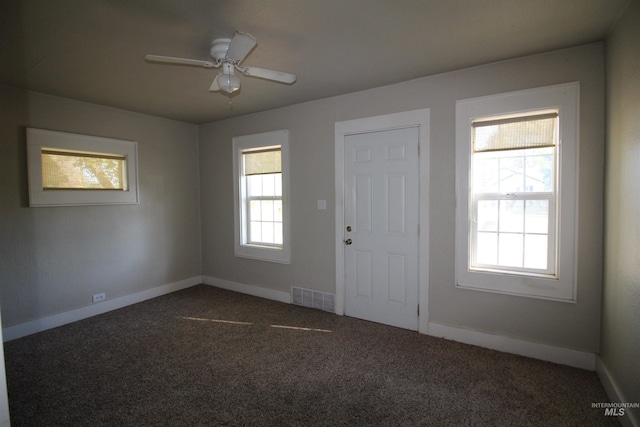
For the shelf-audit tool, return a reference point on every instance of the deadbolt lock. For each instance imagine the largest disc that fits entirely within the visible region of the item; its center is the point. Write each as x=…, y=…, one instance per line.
x=349, y=228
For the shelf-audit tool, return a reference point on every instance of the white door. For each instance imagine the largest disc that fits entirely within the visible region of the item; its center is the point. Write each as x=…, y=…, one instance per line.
x=381, y=204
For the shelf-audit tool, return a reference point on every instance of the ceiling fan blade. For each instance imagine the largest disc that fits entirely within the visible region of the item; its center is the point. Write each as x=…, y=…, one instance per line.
x=277, y=76
x=179, y=61
x=214, y=86
x=240, y=46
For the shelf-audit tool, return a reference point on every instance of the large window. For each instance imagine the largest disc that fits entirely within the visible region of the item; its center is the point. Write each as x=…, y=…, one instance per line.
x=513, y=193
x=261, y=186
x=516, y=166
x=72, y=169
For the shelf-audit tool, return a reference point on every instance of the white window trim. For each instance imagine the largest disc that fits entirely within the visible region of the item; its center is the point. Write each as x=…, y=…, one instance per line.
x=565, y=99
x=37, y=139
x=243, y=249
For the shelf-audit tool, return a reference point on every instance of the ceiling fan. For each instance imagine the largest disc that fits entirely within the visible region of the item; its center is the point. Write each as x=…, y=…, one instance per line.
x=229, y=53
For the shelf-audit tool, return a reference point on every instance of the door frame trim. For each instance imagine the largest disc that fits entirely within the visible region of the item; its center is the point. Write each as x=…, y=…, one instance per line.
x=416, y=118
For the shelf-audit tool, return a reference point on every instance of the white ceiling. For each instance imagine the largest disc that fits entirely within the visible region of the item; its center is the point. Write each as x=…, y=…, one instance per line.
x=92, y=50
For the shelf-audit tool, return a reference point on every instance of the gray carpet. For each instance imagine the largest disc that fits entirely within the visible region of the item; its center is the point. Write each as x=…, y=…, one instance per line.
x=209, y=357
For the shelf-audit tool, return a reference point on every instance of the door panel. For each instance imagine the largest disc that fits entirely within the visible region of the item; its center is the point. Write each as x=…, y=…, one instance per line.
x=397, y=274
x=381, y=207
x=364, y=274
x=396, y=205
x=363, y=207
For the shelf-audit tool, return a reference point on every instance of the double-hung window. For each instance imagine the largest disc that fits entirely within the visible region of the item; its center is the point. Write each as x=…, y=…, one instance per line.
x=513, y=193
x=262, y=175
x=516, y=166
x=261, y=187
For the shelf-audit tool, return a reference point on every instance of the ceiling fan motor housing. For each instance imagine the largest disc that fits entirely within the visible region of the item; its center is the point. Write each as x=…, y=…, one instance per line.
x=219, y=49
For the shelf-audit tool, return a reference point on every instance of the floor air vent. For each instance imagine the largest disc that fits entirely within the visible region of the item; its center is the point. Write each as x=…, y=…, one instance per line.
x=314, y=299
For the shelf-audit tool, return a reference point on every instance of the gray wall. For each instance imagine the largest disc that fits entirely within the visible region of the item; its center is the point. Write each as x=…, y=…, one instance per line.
x=54, y=259
x=620, y=348
x=311, y=126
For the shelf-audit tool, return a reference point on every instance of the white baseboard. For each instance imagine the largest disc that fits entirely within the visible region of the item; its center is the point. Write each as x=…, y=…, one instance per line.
x=256, y=291
x=49, y=322
x=629, y=419
x=549, y=353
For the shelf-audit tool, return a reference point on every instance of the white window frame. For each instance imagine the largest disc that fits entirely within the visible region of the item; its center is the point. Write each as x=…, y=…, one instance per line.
x=561, y=284
x=39, y=139
x=242, y=247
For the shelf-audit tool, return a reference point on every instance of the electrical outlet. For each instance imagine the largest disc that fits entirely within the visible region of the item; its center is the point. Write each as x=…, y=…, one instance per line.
x=99, y=297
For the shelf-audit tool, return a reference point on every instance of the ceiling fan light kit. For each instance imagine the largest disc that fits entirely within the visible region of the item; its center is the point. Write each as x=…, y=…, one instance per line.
x=227, y=81
x=229, y=53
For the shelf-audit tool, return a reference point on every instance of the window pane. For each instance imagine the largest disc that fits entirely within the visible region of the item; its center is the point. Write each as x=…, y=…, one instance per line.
x=488, y=215
x=267, y=210
x=267, y=232
x=511, y=216
x=539, y=171
x=536, y=216
x=278, y=185
x=486, y=177
x=535, y=250
x=277, y=233
x=255, y=210
x=277, y=210
x=487, y=249
x=510, y=250
x=68, y=170
x=254, y=185
x=255, y=232
x=269, y=185
x=512, y=173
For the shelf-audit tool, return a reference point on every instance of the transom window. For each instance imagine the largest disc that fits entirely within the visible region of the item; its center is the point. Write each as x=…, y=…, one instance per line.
x=67, y=169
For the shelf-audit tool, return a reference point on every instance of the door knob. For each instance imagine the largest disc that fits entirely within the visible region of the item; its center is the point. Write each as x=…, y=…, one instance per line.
x=348, y=242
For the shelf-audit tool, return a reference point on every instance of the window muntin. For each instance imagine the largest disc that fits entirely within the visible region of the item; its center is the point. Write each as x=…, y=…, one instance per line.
x=67, y=170
x=261, y=187
x=513, y=193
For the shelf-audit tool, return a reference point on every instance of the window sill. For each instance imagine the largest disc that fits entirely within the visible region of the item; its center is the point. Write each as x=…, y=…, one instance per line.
x=542, y=287
x=264, y=253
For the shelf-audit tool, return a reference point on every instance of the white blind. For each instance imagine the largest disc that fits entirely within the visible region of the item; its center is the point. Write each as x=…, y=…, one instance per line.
x=63, y=170
x=262, y=162
x=515, y=133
